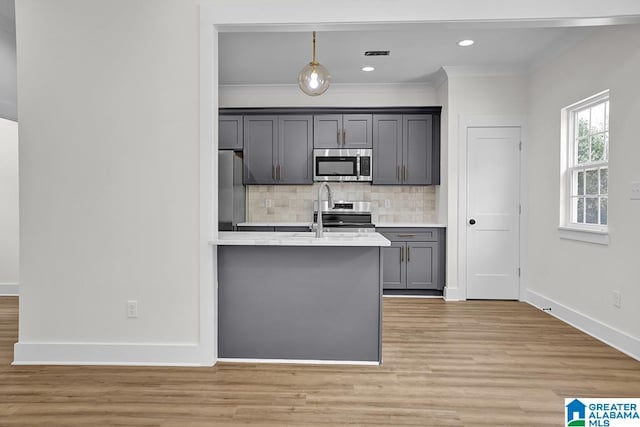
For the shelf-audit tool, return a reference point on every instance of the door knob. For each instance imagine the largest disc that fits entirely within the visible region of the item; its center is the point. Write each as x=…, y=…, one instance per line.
x=472, y=221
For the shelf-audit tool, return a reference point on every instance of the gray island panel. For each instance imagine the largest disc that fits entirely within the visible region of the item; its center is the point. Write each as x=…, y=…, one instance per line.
x=305, y=303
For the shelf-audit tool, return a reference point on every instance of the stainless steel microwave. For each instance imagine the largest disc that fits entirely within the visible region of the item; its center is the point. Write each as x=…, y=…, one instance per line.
x=342, y=164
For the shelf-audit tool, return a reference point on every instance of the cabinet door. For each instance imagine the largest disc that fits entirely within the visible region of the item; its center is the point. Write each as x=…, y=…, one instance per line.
x=260, y=149
x=393, y=266
x=327, y=131
x=357, y=131
x=387, y=148
x=230, y=133
x=295, y=150
x=422, y=265
x=417, y=149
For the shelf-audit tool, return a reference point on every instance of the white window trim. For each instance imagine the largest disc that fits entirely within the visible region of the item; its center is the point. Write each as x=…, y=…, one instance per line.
x=589, y=233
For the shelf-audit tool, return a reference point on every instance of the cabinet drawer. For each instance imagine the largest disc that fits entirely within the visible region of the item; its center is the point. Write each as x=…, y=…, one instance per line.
x=410, y=235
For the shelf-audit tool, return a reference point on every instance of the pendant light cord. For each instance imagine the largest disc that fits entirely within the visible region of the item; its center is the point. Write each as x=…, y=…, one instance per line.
x=314, y=49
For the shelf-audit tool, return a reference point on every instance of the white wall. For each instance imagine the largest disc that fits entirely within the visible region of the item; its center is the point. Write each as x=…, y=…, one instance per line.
x=8, y=72
x=109, y=105
x=581, y=276
x=369, y=95
x=109, y=173
x=472, y=95
x=8, y=207
x=442, y=98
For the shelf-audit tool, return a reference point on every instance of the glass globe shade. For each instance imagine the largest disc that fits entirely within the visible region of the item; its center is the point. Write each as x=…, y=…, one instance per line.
x=314, y=79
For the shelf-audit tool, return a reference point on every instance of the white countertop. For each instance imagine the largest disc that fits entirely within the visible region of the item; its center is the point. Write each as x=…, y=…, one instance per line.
x=274, y=224
x=377, y=224
x=270, y=238
x=409, y=224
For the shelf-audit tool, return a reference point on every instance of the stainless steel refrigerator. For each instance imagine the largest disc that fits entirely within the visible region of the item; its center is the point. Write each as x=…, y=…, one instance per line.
x=231, y=192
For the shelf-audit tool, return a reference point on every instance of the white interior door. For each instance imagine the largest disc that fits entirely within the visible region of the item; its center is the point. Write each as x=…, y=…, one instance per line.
x=493, y=212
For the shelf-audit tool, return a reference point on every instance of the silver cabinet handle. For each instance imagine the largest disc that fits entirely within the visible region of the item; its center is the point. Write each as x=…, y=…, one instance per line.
x=338, y=137
x=398, y=172
x=406, y=235
x=404, y=172
x=280, y=177
x=408, y=253
x=401, y=253
x=344, y=137
x=273, y=172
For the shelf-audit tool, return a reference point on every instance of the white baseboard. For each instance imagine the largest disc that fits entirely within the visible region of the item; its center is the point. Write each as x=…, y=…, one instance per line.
x=451, y=294
x=300, y=361
x=609, y=335
x=107, y=354
x=8, y=290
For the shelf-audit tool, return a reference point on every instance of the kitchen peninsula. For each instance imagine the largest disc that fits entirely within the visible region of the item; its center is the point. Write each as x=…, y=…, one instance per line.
x=294, y=296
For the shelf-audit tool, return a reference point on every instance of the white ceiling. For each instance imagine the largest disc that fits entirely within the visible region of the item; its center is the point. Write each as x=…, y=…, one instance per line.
x=417, y=52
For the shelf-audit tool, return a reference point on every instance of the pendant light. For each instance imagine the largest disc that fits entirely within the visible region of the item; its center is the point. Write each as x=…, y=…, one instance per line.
x=314, y=78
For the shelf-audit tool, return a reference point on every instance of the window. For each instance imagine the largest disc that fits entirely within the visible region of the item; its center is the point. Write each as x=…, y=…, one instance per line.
x=585, y=178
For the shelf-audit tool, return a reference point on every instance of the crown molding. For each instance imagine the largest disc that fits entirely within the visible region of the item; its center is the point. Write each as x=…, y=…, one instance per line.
x=485, y=70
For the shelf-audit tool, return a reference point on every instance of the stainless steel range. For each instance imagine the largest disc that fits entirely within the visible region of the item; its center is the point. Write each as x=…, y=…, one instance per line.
x=345, y=216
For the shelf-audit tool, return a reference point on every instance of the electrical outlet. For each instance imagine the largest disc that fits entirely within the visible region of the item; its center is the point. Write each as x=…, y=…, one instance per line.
x=617, y=299
x=132, y=309
x=387, y=203
x=267, y=203
x=635, y=190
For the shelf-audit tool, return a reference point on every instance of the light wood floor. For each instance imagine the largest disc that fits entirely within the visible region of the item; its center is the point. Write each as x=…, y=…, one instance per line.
x=457, y=364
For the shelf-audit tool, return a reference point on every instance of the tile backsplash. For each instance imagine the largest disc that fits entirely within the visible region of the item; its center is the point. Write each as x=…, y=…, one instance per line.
x=294, y=203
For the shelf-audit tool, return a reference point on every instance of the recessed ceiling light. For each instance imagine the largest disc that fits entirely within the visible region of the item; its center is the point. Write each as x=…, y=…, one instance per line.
x=465, y=42
x=368, y=68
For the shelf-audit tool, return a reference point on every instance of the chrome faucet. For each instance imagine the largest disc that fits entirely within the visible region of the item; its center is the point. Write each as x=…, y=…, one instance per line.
x=319, y=230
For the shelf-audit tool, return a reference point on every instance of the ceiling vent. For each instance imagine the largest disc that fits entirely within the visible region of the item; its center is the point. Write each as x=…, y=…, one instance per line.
x=377, y=53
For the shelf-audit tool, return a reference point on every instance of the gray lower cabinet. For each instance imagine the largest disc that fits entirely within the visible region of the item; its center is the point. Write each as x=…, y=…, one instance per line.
x=404, y=152
x=394, y=269
x=230, y=132
x=342, y=131
x=415, y=259
x=278, y=149
x=422, y=265
x=295, y=302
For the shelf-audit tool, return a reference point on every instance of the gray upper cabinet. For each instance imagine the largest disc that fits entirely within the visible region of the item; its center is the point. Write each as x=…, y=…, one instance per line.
x=230, y=132
x=342, y=131
x=260, y=149
x=278, y=149
x=404, y=150
x=387, y=149
x=295, y=150
x=417, y=149
x=327, y=131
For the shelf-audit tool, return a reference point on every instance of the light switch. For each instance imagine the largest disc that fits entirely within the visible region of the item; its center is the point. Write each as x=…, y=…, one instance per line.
x=635, y=190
